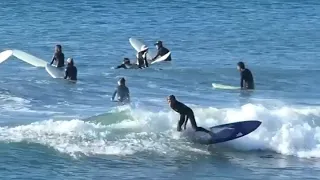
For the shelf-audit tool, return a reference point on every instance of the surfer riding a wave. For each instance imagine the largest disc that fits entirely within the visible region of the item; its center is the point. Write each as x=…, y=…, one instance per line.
x=186, y=114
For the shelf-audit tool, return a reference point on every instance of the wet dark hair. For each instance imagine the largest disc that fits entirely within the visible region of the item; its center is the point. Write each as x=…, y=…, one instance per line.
x=241, y=65
x=172, y=97
x=122, y=81
x=59, y=46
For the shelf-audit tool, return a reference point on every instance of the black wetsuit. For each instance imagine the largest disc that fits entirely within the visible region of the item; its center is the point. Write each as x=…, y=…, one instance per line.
x=246, y=80
x=71, y=73
x=59, y=57
x=122, y=66
x=185, y=114
x=142, y=61
x=161, y=52
x=123, y=93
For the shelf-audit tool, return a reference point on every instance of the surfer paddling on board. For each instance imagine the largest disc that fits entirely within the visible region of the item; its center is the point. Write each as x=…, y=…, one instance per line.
x=71, y=70
x=161, y=51
x=125, y=65
x=58, y=57
x=142, y=57
x=185, y=114
x=246, y=80
x=122, y=92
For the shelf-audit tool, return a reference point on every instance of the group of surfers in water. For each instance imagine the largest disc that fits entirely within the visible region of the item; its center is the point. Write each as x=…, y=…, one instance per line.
x=122, y=91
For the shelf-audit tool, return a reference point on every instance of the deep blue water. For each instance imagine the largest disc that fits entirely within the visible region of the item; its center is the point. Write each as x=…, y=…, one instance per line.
x=49, y=128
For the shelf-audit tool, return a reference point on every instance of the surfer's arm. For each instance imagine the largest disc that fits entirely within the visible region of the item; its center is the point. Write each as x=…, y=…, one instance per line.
x=66, y=73
x=114, y=95
x=158, y=54
x=120, y=66
x=53, y=58
x=241, y=81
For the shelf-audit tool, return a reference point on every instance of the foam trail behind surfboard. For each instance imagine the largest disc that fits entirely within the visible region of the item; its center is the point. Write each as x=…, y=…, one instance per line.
x=28, y=58
x=5, y=55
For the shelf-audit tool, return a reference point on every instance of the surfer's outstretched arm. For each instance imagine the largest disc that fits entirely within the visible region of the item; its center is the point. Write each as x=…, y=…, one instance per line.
x=158, y=54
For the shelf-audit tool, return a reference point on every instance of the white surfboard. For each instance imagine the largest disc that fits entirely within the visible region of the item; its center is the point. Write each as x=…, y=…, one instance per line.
x=34, y=61
x=5, y=55
x=162, y=58
x=136, y=44
x=28, y=58
x=222, y=86
x=55, y=72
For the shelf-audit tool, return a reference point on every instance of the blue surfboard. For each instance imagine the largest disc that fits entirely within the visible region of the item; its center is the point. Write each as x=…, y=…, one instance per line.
x=230, y=131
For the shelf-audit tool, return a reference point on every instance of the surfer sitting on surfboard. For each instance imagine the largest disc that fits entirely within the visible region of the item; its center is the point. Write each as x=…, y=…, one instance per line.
x=58, y=57
x=142, y=57
x=125, y=65
x=185, y=114
x=71, y=70
x=122, y=92
x=161, y=51
x=246, y=80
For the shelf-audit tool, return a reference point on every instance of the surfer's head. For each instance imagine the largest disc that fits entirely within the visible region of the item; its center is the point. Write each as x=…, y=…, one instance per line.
x=240, y=66
x=126, y=61
x=144, y=48
x=171, y=99
x=58, y=48
x=122, y=81
x=70, y=61
x=158, y=44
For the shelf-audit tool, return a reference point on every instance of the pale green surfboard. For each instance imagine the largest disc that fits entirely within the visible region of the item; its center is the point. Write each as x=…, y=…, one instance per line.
x=222, y=86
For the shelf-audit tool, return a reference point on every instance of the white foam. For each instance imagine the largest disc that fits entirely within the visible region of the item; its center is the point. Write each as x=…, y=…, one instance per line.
x=285, y=130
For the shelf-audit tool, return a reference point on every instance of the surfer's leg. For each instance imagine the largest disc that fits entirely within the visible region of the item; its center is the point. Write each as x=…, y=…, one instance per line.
x=181, y=121
x=195, y=127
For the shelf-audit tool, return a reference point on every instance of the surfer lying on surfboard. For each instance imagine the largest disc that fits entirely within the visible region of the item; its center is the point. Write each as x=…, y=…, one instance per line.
x=71, y=70
x=122, y=92
x=246, y=78
x=185, y=114
x=142, y=57
x=161, y=51
x=58, y=56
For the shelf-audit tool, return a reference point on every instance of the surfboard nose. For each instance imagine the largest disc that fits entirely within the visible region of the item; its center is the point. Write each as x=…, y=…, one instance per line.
x=250, y=125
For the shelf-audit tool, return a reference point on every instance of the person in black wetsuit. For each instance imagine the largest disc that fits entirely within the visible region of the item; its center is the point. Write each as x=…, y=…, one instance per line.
x=161, y=51
x=122, y=92
x=71, y=70
x=246, y=80
x=185, y=114
x=142, y=57
x=125, y=65
x=58, y=57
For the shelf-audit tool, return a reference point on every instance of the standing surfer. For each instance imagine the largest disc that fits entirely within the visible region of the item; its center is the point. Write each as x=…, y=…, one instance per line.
x=58, y=57
x=161, y=51
x=142, y=57
x=122, y=92
x=71, y=70
x=246, y=78
x=185, y=114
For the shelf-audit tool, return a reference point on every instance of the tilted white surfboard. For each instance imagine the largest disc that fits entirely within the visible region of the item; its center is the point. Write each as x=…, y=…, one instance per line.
x=34, y=61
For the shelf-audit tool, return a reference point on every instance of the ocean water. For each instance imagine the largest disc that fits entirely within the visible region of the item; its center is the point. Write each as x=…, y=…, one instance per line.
x=52, y=129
